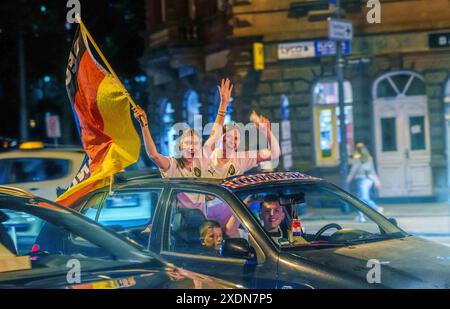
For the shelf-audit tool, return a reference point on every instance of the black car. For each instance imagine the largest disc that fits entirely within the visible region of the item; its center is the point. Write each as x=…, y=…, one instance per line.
x=280, y=230
x=71, y=251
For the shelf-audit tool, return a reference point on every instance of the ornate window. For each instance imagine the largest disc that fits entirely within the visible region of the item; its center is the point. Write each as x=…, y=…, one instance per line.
x=167, y=132
x=191, y=107
x=399, y=83
x=214, y=101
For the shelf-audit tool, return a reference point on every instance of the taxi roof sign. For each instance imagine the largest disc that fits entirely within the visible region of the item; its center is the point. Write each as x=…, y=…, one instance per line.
x=31, y=145
x=258, y=178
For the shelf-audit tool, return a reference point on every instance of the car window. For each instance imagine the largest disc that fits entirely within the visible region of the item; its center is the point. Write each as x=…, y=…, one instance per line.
x=92, y=206
x=200, y=222
x=32, y=169
x=309, y=213
x=130, y=213
x=24, y=234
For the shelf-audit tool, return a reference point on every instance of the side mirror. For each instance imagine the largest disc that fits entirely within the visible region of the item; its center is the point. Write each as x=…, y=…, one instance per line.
x=393, y=221
x=237, y=248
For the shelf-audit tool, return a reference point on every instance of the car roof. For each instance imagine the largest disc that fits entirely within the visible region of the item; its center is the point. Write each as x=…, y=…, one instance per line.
x=231, y=183
x=50, y=153
x=13, y=191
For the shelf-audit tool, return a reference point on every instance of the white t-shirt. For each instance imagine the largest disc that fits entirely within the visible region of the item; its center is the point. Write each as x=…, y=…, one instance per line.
x=236, y=165
x=197, y=170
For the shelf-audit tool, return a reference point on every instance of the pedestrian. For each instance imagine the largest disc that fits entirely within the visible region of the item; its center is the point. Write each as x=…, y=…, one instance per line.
x=363, y=177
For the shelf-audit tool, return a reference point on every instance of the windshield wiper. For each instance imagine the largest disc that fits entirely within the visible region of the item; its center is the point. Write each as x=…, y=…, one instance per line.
x=316, y=245
x=369, y=238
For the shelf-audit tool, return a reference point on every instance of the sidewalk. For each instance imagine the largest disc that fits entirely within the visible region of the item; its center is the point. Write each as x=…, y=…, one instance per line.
x=428, y=220
x=417, y=209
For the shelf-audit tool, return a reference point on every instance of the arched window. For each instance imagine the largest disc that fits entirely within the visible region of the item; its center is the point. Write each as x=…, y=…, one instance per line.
x=399, y=83
x=447, y=126
x=447, y=92
x=326, y=121
x=286, y=142
x=214, y=101
x=167, y=132
x=191, y=105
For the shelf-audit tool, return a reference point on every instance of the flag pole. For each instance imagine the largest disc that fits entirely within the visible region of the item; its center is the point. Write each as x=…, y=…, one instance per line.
x=84, y=29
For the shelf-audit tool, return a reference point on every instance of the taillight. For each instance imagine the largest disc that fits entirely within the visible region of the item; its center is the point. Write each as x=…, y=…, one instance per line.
x=35, y=248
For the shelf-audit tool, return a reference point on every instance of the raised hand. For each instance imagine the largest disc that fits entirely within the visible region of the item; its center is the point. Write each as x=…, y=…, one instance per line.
x=259, y=120
x=255, y=118
x=264, y=120
x=225, y=90
x=140, y=115
x=266, y=124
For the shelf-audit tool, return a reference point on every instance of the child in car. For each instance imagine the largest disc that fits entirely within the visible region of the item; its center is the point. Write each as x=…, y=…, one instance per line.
x=211, y=235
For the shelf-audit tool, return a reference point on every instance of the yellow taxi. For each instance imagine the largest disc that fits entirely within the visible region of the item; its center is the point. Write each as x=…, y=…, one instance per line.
x=38, y=169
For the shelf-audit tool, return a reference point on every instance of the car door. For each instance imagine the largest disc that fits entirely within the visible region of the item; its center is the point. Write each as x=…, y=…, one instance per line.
x=127, y=211
x=181, y=240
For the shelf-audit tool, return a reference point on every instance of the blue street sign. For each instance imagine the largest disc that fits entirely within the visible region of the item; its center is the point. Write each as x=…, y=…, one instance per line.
x=311, y=49
x=328, y=48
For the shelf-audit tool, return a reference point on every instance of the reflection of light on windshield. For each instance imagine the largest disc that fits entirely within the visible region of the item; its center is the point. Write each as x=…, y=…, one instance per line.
x=47, y=206
x=325, y=215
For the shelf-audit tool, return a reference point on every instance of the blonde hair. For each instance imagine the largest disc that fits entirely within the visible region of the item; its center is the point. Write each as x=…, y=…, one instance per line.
x=189, y=132
x=207, y=225
x=362, y=153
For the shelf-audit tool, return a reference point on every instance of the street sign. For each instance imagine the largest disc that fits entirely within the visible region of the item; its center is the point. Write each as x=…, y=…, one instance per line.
x=439, y=40
x=340, y=30
x=296, y=50
x=328, y=48
x=311, y=49
x=53, y=127
x=258, y=56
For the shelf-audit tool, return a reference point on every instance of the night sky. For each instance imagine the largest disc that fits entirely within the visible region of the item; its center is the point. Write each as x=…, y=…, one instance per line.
x=117, y=26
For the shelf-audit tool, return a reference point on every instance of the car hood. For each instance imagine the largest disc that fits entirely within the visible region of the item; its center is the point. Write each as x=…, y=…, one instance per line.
x=410, y=262
x=101, y=274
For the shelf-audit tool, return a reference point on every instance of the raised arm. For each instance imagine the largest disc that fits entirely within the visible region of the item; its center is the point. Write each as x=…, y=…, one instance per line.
x=225, y=90
x=273, y=151
x=356, y=164
x=162, y=161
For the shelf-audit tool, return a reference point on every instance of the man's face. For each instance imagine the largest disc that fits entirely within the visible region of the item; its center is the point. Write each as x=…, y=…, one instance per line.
x=272, y=214
x=213, y=238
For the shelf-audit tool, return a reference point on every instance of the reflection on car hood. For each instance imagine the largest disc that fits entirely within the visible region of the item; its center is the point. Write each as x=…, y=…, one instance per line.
x=410, y=262
x=98, y=274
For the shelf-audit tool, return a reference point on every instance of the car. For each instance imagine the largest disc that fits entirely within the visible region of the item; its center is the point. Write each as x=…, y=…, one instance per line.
x=73, y=252
x=40, y=170
x=287, y=230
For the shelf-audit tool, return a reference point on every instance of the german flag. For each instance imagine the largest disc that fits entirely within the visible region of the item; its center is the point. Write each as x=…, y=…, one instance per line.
x=102, y=113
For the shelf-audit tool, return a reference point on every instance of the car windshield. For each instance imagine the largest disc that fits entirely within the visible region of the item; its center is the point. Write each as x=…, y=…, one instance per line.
x=316, y=214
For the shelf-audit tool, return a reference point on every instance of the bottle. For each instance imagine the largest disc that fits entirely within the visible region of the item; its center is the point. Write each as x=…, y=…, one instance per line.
x=296, y=227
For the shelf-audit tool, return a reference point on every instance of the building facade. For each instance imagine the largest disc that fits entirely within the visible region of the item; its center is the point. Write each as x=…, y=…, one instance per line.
x=397, y=89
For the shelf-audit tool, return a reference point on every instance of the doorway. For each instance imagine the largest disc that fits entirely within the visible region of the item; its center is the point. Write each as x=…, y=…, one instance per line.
x=402, y=140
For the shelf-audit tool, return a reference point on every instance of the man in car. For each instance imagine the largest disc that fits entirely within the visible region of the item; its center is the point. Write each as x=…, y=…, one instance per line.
x=272, y=214
x=211, y=235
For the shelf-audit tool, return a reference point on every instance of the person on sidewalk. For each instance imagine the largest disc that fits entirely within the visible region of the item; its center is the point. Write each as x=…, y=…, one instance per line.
x=363, y=177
